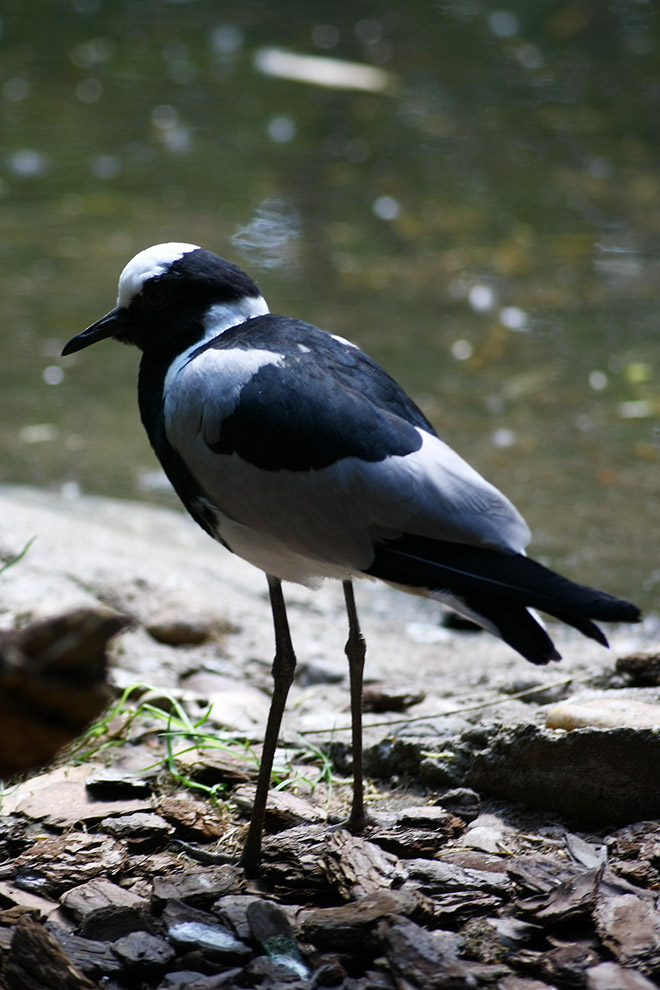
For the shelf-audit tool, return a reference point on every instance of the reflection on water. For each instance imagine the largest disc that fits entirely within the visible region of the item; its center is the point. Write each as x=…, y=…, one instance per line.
x=270, y=239
x=469, y=191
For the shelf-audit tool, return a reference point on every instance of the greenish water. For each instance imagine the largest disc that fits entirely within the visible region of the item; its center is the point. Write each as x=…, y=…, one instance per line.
x=483, y=218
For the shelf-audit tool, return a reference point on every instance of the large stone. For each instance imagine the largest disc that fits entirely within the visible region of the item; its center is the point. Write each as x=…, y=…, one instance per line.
x=595, y=776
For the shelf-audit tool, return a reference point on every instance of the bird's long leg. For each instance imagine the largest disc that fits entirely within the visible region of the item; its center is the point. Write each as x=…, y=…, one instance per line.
x=356, y=649
x=284, y=666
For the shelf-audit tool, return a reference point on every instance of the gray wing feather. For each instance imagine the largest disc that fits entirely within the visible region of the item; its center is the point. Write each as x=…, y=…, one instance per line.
x=334, y=515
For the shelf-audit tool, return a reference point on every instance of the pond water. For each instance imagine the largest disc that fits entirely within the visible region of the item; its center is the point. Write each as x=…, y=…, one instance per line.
x=468, y=190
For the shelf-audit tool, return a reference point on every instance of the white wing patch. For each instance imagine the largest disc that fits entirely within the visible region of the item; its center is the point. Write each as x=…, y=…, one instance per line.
x=147, y=264
x=194, y=412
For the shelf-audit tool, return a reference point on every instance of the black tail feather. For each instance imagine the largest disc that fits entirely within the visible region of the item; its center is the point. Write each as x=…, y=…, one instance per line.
x=516, y=626
x=500, y=587
x=585, y=626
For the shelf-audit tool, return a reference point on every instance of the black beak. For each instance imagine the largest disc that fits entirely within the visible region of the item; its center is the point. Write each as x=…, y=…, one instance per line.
x=107, y=326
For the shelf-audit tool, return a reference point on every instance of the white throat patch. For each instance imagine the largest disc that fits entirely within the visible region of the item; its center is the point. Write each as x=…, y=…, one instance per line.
x=222, y=316
x=147, y=264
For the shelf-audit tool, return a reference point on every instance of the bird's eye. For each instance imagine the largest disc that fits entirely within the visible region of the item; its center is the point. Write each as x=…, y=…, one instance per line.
x=155, y=296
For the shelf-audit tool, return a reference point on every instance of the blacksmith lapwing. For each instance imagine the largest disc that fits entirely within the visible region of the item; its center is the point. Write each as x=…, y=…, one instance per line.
x=298, y=452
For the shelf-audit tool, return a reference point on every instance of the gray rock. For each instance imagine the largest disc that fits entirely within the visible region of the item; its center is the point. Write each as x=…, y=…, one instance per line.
x=592, y=775
x=140, y=950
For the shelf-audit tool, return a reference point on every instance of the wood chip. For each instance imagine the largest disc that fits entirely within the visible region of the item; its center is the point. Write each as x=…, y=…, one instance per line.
x=355, y=867
x=121, y=781
x=94, y=958
x=143, y=830
x=473, y=859
x=628, y=923
x=436, y=877
x=54, y=865
x=585, y=853
x=232, y=910
x=60, y=798
x=104, y=910
x=199, y=886
x=457, y=906
x=539, y=873
x=12, y=896
x=36, y=961
x=292, y=860
x=461, y=801
x=217, y=766
x=355, y=923
x=414, y=832
x=566, y=964
x=283, y=809
x=514, y=982
x=567, y=900
x=197, y=819
x=427, y=960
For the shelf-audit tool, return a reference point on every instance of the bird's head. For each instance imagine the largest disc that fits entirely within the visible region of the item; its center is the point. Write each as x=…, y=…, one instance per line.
x=172, y=296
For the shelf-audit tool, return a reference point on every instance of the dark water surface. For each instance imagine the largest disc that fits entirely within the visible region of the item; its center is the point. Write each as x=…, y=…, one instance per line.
x=474, y=199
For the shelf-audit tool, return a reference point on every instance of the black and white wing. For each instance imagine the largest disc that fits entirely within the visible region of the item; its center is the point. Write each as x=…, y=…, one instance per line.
x=309, y=454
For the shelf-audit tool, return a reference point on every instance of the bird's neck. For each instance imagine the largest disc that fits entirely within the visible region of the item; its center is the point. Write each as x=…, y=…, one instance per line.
x=151, y=378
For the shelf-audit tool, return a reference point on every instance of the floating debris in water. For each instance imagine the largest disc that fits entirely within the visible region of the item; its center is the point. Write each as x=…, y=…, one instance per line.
x=322, y=71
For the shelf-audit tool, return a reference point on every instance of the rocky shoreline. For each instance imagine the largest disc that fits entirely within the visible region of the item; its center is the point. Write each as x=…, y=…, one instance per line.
x=506, y=849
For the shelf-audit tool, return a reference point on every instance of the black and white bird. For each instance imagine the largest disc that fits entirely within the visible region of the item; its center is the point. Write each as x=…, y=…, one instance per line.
x=296, y=451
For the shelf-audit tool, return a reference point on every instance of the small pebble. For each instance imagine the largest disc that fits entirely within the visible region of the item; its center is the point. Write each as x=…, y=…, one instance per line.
x=180, y=632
